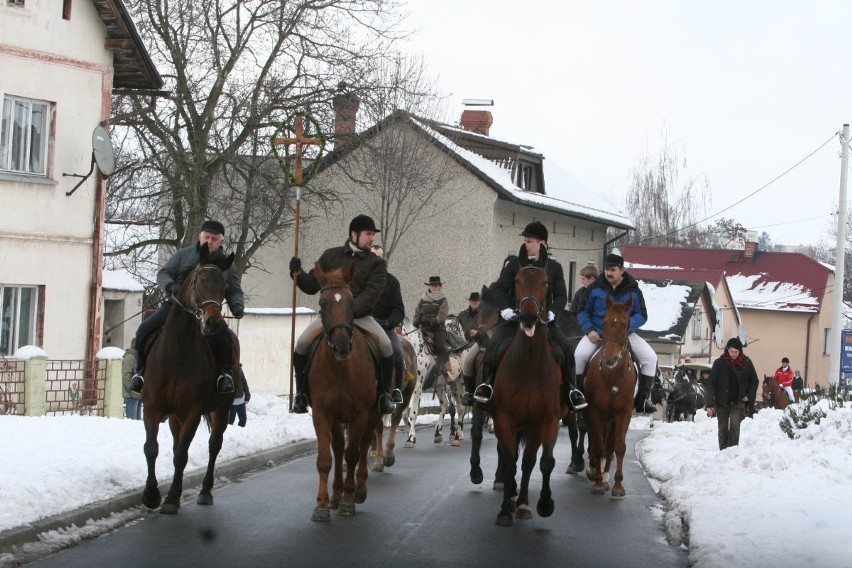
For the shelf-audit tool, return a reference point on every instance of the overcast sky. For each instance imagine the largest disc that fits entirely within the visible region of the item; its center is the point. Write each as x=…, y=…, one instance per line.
x=744, y=90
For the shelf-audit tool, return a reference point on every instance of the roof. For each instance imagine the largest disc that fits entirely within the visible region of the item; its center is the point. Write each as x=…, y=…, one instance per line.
x=496, y=172
x=120, y=280
x=789, y=281
x=133, y=66
x=670, y=305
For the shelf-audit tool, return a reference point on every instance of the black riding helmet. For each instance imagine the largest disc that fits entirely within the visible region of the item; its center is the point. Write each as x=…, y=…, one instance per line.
x=363, y=223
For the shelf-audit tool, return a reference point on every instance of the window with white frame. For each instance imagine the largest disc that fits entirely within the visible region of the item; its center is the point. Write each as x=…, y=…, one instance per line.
x=24, y=135
x=18, y=307
x=697, y=324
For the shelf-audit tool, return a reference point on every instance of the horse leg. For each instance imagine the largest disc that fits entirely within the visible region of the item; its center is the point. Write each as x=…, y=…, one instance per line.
x=522, y=504
x=338, y=442
x=362, y=472
x=151, y=497
x=378, y=447
x=390, y=456
x=620, y=448
x=506, y=447
x=454, y=440
x=545, y=505
x=414, y=407
x=441, y=393
x=594, y=469
x=351, y=457
x=476, y=425
x=187, y=433
x=570, y=421
x=325, y=440
x=499, y=473
x=218, y=424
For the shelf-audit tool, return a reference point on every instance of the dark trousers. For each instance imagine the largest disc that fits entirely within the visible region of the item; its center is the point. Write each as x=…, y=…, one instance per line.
x=398, y=367
x=439, y=340
x=237, y=410
x=730, y=418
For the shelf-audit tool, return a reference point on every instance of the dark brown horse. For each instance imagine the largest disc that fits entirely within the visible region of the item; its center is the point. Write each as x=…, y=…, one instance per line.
x=385, y=456
x=180, y=379
x=343, y=377
x=526, y=404
x=610, y=383
x=773, y=395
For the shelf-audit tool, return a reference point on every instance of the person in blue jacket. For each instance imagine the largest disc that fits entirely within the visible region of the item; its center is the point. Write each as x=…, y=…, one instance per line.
x=618, y=285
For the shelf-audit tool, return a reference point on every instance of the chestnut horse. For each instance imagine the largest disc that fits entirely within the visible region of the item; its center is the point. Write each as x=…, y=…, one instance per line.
x=526, y=404
x=773, y=395
x=342, y=379
x=180, y=379
x=609, y=389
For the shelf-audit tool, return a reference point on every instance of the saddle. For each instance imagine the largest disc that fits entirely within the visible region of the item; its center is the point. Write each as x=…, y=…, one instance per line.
x=372, y=345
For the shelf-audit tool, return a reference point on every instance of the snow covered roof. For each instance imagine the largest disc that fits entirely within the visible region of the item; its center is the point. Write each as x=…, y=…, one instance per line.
x=120, y=280
x=670, y=306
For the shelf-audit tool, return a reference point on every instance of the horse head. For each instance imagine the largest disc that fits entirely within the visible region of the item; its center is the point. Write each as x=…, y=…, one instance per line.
x=487, y=317
x=616, y=328
x=337, y=309
x=769, y=390
x=531, y=291
x=204, y=288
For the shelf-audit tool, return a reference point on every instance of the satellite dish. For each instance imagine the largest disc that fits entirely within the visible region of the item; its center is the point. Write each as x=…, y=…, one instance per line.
x=102, y=151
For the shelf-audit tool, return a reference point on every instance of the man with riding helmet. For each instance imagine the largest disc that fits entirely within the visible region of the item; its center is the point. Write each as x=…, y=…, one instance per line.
x=503, y=290
x=170, y=279
x=367, y=286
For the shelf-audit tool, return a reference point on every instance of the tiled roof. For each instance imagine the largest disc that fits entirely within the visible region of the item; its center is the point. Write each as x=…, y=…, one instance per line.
x=133, y=66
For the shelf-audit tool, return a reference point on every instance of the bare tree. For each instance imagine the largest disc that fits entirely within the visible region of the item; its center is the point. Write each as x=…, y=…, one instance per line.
x=826, y=251
x=236, y=69
x=661, y=212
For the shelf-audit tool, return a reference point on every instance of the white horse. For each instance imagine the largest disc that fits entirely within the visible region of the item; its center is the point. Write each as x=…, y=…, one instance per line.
x=448, y=388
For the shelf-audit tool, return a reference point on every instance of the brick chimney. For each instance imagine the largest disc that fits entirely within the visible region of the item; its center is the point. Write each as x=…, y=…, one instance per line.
x=478, y=121
x=750, y=250
x=345, y=106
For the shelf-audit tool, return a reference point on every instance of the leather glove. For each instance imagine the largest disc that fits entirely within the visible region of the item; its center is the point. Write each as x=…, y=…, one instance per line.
x=174, y=290
x=550, y=316
x=237, y=310
x=384, y=323
x=295, y=265
x=509, y=314
x=434, y=323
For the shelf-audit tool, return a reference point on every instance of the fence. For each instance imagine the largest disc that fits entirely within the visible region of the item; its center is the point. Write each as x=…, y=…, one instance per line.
x=75, y=387
x=12, y=392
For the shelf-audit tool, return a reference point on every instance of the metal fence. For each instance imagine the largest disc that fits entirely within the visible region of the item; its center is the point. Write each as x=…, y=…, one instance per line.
x=12, y=387
x=75, y=387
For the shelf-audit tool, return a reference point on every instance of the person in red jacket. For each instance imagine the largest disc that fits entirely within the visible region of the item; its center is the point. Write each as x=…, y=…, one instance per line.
x=784, y=378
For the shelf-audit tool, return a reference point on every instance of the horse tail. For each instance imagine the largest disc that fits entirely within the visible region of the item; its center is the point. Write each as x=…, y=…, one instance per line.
x=208, y=422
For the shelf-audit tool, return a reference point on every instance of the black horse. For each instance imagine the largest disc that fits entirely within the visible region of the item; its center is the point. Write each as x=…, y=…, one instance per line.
x=685, y=398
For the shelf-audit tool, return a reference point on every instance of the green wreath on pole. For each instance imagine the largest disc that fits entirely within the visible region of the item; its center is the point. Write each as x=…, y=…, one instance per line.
x=282, y=163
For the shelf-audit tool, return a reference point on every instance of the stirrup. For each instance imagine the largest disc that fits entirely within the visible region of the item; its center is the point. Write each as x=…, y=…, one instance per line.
x=136, y=383
x=577, y=400
x=483, y=393
x=396, y=396
x=222, y=386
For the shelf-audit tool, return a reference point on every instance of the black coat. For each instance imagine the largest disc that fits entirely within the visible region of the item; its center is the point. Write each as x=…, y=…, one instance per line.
x=503, y=290
x=183, y=261
x=723, y=376
x=390, y=307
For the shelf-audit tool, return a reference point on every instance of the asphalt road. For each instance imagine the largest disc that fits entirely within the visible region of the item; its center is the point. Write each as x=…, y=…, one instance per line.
x=424, y=511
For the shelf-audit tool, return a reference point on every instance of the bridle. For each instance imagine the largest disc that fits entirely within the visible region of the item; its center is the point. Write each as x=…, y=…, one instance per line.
x=540, y=308
x=198, y=308
x=349, y=327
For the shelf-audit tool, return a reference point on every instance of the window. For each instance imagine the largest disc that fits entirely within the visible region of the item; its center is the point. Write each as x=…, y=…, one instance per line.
x=572, y=280
x=697, y=324
x=19, y=3
x=17, y=317
x=24, y=134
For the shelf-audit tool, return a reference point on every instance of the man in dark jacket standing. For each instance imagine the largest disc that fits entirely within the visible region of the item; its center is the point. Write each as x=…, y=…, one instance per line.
x=170, y=279
x=367, y=286
x=731, y=388
x=389, y=313
x=503, y=290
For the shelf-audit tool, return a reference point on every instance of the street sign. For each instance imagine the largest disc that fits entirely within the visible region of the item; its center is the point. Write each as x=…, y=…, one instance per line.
x=846, y=351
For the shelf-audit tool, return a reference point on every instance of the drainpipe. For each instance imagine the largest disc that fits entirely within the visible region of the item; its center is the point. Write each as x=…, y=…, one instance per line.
x=808, y=349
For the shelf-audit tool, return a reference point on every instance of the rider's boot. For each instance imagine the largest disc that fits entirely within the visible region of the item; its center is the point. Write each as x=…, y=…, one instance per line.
x=225, y=382
x=399, y=370
x=301, y=401
x=467, y=397
x=482, y=394
x=573, y=396
x=386, y=405
x=137, y=381
x=642, y=403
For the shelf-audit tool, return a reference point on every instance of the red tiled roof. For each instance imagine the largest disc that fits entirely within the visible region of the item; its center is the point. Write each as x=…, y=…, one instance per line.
x=774, y=276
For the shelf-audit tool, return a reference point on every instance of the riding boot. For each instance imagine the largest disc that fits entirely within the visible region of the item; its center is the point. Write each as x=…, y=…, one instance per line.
x=573, y=396
x=386, y=405
x=643, y=404
x=399, y=373
x=137, y=381
x=467, y=397
x=483, y=392
x=225, y=382
x=301, y=402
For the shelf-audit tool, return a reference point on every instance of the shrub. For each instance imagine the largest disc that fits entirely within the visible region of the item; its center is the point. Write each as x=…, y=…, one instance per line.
x=800, y=416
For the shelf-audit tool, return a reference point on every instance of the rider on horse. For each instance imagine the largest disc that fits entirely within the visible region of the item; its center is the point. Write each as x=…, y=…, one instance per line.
x=366, y=287
x=430, y=315
x=389, y=313
x=535, y=239
x=618, y=285
x=170, y=279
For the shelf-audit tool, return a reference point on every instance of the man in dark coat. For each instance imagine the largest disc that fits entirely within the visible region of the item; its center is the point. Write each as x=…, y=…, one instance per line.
x=389, y=313
x=367, y=286
x=467, y=318
x=503, y=291
x=170, y=279
x=732, y=387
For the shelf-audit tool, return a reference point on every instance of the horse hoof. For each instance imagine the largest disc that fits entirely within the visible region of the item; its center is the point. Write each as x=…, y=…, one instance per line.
x=598, y=490
x=360, y=496
x=578, y=466
x=476, y=476
x=524, y=512
x=389, y=461
x=151, y=499
x=204, y=499
x=498, y=486
x=321, y=514
x=618, y=492
x=346, y=509
x=504, y=520
x=439, y=439
x=169, y=509
x=409, y=444
x=378, y=467
x=545, y=507
x=455, y=443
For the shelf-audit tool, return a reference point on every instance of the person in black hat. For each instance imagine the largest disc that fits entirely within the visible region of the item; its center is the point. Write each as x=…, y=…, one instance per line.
x=430, y=315
x=467, y=318
x=169, y=279
x=784, y=377
x=389, y=313
x=732, y=387
x=617, y=285
x=503, y=290
x=367, y=286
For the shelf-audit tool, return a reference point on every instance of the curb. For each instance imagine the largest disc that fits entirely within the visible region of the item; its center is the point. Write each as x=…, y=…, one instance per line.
x=13, y=538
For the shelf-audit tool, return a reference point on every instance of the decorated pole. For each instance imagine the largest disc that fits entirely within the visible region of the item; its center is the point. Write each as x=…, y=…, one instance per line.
x=296, y=178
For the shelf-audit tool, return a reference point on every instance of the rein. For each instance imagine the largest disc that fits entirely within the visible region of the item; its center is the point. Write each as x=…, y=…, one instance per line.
x=539, y=307
x=198, y=310
x=615, y=389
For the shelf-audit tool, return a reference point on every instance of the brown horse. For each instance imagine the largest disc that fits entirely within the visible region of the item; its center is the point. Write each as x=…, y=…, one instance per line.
x=385, y=456
x=526, y=404
x=342, y=379
x=610, y=382
x=773, y=395
x=180, y=379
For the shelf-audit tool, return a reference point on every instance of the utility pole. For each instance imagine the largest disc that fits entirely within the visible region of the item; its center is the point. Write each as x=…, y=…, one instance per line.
x=834, y=347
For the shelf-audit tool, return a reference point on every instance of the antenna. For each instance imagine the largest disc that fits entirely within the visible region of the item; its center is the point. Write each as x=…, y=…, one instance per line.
x=478, y=102
x=102, y=155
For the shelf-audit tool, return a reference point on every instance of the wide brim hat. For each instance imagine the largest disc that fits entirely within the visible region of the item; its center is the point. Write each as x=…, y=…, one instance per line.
x=474, y=296
x=434, y=280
